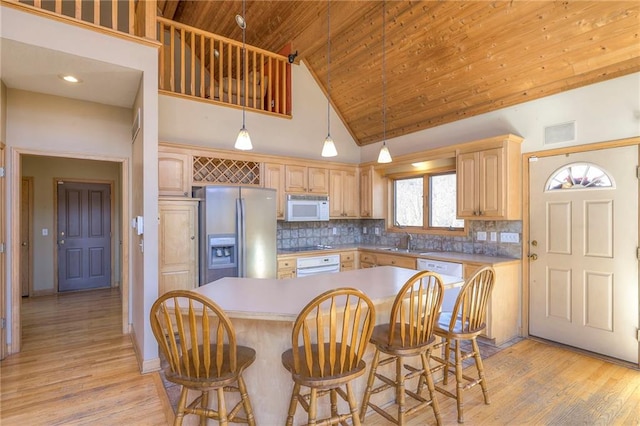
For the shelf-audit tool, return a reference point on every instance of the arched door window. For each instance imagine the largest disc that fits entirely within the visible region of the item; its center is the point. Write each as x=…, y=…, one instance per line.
x=579, y=176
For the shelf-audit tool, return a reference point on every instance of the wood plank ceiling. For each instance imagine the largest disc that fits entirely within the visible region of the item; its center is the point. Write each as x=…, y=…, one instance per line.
x=446, y=60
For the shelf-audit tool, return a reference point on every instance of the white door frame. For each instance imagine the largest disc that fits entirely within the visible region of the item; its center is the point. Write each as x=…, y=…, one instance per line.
x=526, y=220
x=16, y=181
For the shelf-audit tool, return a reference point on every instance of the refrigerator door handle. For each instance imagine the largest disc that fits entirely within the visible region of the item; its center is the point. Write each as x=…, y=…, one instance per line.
x=242, y=253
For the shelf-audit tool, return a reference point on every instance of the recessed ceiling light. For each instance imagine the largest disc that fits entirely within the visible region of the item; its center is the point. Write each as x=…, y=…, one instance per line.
x=70, y=79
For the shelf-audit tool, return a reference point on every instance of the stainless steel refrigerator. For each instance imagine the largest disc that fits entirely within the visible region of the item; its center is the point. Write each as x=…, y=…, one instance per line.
x=237, y=232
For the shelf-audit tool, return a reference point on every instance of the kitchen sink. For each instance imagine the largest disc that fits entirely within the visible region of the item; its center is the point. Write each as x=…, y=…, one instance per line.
x=395, y=249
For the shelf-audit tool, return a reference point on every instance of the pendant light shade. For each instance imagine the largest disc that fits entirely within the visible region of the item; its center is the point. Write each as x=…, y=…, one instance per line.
x=329, y=148
x=243, y=141
x=384, y=156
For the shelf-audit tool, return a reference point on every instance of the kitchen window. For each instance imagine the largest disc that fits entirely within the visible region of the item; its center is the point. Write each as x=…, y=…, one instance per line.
x=426, y=202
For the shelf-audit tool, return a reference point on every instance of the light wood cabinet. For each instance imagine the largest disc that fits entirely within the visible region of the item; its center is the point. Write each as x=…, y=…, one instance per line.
x=174, y=174
x=489, y=183
x=504, y=305
x=370, y=259
x=306, y=179
x=371, y=193
x=347, y=261
x=343, y=193
x=274, y=178
x=178, y=244
x=286, y=267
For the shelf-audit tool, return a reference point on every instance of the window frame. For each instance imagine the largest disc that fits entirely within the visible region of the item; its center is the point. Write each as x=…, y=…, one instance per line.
x=425, y=228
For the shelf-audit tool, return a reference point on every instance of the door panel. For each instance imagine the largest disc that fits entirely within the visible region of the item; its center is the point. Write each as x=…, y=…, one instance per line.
x=584, y=283
x=84, y=236
x=26, y=225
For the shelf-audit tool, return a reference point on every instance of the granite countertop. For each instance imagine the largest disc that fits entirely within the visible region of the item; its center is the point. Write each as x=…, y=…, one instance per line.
x=449, y=256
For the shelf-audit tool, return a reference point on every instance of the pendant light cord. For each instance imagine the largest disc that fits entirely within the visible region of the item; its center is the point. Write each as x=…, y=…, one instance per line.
x=384, y=77
x=242, y=64
x=328, y=68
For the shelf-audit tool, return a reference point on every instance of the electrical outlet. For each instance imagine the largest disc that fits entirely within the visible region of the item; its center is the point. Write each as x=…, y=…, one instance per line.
x=481, y=236
x=376, y=231
x=494, y=236
x=364, y=229
x=335, y=231
x=509, y=237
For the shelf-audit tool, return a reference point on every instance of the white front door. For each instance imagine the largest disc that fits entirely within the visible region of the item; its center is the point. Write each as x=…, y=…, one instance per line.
x=584, y=282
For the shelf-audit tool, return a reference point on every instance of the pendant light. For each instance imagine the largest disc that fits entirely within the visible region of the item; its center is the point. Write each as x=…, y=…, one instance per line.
x=243, y=141
x=384, y=156
x=329, y=148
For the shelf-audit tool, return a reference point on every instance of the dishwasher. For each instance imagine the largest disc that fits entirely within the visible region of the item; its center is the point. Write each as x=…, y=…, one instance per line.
x=306, y=266
x=444, y=268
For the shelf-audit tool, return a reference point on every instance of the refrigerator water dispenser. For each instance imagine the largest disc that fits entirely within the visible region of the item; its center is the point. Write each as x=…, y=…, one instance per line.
x=222, y=251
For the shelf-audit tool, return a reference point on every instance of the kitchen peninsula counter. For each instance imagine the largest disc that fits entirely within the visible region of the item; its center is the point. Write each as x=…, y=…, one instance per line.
x=263, y=311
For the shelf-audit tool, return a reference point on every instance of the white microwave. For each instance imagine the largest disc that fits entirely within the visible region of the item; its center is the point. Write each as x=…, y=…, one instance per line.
x=306, y=208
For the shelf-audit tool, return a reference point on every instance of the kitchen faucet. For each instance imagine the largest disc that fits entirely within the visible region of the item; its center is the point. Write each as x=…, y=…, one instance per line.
x=409, y=237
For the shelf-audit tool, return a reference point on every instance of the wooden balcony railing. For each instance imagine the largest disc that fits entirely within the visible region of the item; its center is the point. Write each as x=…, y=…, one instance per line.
x=192, y=62
x=136, y=18
x=205, y=65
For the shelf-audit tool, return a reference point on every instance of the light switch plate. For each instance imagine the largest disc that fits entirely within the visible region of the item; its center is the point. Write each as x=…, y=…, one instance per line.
x=494, y=236
x=481, y=236
x=509, y=237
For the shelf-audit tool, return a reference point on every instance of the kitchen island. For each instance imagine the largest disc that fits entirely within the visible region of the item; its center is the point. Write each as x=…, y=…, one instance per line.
x=263, y=311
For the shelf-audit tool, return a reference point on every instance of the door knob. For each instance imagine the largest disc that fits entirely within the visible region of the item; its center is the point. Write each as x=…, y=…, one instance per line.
x=534, y=243
x=533, y=256
x=61, y=241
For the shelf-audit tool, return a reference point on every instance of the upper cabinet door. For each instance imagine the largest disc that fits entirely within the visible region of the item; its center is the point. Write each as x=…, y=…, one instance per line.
x=295, y=178
x=489, y=182
x=274, y=178
x=318, y=180
x=174, y=174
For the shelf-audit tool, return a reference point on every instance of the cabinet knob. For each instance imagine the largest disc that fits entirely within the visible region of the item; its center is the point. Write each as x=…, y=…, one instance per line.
x=193, y=237
x=533, y=256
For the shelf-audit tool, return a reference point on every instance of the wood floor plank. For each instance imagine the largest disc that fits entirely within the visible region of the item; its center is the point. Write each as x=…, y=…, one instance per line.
x=76, y=368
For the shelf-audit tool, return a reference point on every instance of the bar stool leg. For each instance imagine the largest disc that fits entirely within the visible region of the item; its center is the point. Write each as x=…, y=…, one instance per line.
x=334, y=402
x=447, y=362
x=459, y=382
x=353, y=405
x=182, y=402
x=430, y=386
x=222, y=408
x=313, y=406
x=372, y=377
x=480, y=367
x=293, y=404
x=204, y=403
x=246, y=402
x=400, y=397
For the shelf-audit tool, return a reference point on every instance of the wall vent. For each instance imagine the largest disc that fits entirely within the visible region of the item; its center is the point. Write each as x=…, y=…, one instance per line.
x=563, y=132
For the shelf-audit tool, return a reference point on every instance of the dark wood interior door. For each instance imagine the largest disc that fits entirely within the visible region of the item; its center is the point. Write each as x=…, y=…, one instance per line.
x=84, y=236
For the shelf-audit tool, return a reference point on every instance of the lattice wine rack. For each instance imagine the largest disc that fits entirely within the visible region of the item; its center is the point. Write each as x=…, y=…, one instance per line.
x=220, y=170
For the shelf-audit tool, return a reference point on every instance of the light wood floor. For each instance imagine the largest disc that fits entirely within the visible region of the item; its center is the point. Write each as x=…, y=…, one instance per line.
x=77, y=369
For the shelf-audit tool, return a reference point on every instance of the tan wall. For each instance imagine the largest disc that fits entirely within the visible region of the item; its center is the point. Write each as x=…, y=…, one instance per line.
x=45, y=171
x=3, y=112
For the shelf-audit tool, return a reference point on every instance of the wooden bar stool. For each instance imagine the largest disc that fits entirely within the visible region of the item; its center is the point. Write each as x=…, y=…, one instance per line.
x=199, y=343
x=465, y=322
x=328, y=341
x=409, y=333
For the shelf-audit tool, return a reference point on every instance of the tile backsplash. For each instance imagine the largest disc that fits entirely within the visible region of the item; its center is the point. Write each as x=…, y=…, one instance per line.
x=335, y=232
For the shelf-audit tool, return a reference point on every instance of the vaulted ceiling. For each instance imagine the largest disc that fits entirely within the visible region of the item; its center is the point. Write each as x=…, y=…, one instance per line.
x=445, y=60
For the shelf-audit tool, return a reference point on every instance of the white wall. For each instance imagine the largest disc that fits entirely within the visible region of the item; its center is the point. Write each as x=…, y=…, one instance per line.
x=212, y=126
x=64, y=127
x=604, y=111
